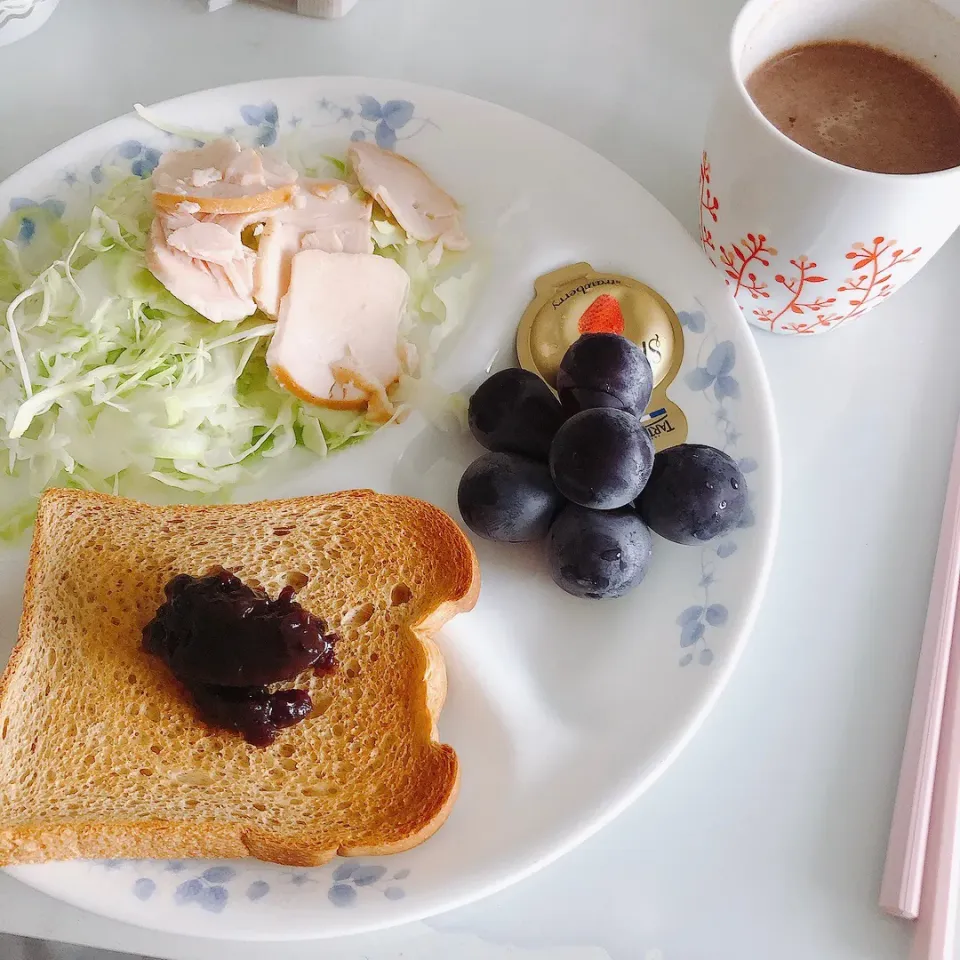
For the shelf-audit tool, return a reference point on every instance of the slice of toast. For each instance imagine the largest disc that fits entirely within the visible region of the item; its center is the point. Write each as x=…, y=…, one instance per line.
x=103, y=753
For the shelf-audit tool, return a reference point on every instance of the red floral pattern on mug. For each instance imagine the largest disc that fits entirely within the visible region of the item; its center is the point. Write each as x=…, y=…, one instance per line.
x=878, y=261
x=737, y=263
x=873, y=282
x=709, y=205
x=802, y=300
x=808, y=307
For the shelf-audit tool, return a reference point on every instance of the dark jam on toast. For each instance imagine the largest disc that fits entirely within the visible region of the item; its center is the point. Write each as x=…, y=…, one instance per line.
x=226, y=642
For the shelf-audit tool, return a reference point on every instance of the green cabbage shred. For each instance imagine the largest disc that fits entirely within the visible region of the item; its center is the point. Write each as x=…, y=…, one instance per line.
x=112, y=384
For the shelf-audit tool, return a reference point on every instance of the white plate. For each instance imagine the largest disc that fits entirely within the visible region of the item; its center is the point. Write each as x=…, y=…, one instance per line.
x=562, y=710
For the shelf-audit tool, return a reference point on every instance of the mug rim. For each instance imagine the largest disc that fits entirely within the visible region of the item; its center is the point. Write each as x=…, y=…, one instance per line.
x=736, y=43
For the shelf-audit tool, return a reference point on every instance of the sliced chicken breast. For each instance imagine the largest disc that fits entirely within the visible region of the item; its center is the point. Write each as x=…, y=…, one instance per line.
x=324, y=216
x=216, y=290
x=336, y=342
x=222, y=177
x=205, y=240
x=238, y=222
x=425, y=211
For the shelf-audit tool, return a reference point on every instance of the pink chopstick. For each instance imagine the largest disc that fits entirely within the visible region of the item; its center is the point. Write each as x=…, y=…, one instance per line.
x=935, y=930
x=903, y=874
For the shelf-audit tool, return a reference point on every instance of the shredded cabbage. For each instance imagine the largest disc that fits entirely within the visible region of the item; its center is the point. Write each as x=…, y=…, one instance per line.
x=438, y=293
x=185, y=133
x=113, y=384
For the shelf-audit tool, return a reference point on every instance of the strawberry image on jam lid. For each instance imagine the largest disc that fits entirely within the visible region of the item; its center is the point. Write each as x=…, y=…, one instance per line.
x=577, y=300
x=602, y=316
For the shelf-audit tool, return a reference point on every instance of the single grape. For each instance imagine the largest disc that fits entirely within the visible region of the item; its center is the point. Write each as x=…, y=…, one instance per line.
x=514, y=411
x=598, y=554
x=695, y=493
x=504, y=496
x=601, y=458
x=604, y=370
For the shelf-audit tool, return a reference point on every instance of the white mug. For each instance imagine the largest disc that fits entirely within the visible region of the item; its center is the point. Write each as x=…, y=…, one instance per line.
x=806, y=244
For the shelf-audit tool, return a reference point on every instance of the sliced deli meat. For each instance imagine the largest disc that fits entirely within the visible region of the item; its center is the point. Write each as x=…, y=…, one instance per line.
x=324, y=216
x=425, y=212
x=205, y=240
x=218, y=291
x=201, y=259
x=336, y=342
x=222, y=177
x=337, y=217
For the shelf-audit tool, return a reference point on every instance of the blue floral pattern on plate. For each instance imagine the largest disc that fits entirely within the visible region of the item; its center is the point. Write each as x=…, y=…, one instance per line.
x=384, y=123
x=265, y=118
x=131, y=157
x=30, y=211
x=212, y=888
x=713, y=376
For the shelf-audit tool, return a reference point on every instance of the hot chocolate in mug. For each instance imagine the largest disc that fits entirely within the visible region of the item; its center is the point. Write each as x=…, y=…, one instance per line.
x=806, y=244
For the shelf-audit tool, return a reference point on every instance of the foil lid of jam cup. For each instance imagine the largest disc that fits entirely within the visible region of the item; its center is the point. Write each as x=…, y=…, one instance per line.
x=577, y=299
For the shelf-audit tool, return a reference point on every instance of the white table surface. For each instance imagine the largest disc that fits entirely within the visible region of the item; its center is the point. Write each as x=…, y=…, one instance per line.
x=765, y=841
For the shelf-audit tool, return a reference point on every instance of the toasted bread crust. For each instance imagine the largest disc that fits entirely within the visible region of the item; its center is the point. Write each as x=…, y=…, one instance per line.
x=232, y=831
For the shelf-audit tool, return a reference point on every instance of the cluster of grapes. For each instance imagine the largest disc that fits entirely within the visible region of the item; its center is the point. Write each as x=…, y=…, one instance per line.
x=581, y=471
